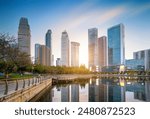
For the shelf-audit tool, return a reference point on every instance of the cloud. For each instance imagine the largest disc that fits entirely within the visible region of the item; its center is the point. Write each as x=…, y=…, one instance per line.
x=85, y=15
x=88, y=14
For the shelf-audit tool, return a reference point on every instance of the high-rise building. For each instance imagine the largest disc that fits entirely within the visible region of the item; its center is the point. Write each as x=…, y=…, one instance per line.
x=75, y=54
x=24, y=36
x=143, y=55
x=48, y=39
x=37, y=53
x=52, y=60
x=48, y=43
x=92, y=48
x=45, y=55
x=102, y=52
x=65, y=49
x=42, y=55
x=116, y=49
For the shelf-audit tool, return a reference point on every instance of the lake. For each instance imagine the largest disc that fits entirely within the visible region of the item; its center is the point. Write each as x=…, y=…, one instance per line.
x=100, y=89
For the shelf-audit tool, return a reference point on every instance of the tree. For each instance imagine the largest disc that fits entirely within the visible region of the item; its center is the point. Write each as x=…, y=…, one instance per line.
x=11, y=58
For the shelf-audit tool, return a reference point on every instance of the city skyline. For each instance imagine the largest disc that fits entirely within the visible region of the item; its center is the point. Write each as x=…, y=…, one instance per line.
x=77, y=17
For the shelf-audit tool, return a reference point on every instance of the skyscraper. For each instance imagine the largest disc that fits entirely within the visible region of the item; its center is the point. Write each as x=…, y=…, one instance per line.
x=48, y=43
x=116, y=49
x=37, y=53
x=45, y=55
x=42, y=55
x=75, y=54
x=65, y=49
x=24, y=37
x=92, y=48
x=48, y=39
x=102, y=52
x=52, y=60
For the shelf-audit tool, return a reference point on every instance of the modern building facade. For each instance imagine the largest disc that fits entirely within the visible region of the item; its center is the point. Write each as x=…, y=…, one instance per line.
x=42, y=55
x=45, y=55
x=92, y=48
x=24, y=36
x=37, y=53
x=52, y=60
x=65, y=49
x=134, y=64
x=143, y=55
x=48, y=43
x=75, y=54
x=102, y=52
x=48, y=39
x=116, y=48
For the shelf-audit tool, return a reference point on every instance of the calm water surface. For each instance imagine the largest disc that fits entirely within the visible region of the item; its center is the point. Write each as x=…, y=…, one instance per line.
x=99, y=90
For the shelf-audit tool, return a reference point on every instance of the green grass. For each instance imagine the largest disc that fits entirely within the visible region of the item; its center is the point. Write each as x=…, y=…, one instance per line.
x=17, y=76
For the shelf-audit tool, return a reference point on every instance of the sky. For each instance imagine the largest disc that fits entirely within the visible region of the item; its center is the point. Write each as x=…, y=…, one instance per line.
x=76, y=17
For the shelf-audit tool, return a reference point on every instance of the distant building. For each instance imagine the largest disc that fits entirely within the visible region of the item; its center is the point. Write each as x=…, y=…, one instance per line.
x=65, y=49
x=42, y=55
x=48, y=43
x=134, y=64
x=143, y=55
x=48, y=39
x=24, y=36
x=116, y=49
x=37, y=53
x=102, y=52
x=45, y=55
x=58, y=62
x=52, y=60
x=92, y=48
x=75, y=54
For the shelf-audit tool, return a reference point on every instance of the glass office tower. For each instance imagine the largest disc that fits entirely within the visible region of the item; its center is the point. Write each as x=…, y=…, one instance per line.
x=92, y=48
x=48, y=39
x=116, y=48
x=75, y=54
x=65, y=49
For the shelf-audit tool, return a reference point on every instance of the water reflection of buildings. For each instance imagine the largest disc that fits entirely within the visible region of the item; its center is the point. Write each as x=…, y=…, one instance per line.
x=147, y=90
x=74, y=93
x=104, y=90
x=70, y=93
x=113, y=91
x=56, y=95
x=84, y=93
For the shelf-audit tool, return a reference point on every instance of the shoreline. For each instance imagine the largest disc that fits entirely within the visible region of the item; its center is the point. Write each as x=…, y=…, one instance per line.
x=75, y=76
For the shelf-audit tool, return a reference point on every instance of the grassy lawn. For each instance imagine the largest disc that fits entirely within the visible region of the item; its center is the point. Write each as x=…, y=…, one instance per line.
x=17, y=76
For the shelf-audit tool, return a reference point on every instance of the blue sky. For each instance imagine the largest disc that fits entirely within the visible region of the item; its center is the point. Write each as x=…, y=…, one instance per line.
x=76, y=17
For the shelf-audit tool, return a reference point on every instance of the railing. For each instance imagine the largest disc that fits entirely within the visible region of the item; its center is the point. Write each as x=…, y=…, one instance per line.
x=9, y=87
